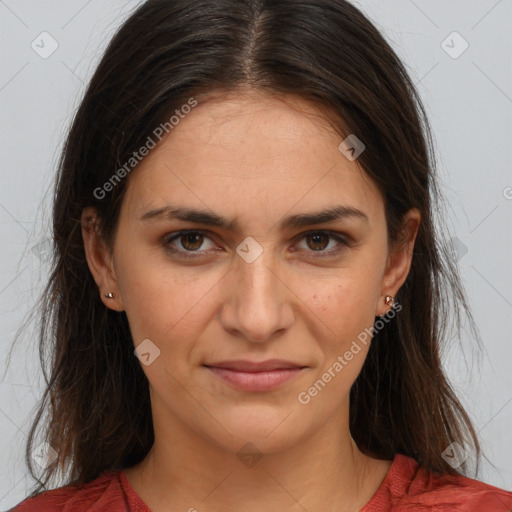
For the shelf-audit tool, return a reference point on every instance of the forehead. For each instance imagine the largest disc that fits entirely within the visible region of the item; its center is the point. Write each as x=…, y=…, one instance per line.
x=251, y=154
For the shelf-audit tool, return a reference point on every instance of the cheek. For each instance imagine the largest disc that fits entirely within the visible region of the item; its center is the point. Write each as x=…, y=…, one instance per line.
x=166, y=304
x=153, y=297
x=344, y=310
x=345, y=304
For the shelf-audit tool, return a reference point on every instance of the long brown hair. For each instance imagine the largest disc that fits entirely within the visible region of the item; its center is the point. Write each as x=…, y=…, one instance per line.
x=165, y=53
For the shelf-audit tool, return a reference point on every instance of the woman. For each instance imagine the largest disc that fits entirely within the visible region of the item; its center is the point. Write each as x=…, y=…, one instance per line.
x=249, y=294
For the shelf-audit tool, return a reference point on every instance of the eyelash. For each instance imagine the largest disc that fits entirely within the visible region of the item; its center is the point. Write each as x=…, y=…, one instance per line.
x=168, y=239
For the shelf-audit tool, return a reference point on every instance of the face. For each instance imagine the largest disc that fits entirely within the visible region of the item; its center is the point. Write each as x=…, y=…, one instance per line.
x=240, y=309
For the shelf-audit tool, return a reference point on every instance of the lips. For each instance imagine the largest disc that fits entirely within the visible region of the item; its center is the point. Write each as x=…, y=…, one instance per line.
x=255, y=376
x=253, y=366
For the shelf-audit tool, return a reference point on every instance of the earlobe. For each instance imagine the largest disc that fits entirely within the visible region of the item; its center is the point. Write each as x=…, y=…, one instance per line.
x=99, y=260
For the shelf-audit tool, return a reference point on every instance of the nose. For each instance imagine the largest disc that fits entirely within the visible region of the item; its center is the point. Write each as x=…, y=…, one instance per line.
x=258, y=302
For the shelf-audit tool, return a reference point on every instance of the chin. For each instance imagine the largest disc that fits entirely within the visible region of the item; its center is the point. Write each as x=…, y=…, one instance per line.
x=270, y=430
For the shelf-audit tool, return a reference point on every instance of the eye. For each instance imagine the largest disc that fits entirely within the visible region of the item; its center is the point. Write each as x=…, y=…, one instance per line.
x=190, y=242
x=319, y=241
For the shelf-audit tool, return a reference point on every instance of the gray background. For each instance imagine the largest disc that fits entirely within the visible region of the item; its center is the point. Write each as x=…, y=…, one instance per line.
x=469, y=102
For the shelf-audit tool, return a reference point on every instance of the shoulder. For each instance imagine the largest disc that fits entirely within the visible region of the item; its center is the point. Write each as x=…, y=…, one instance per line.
x=107, y=492
x=410, y=487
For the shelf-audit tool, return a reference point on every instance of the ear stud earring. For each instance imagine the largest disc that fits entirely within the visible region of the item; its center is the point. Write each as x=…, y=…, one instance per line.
x=389, y=300
x=110, y=295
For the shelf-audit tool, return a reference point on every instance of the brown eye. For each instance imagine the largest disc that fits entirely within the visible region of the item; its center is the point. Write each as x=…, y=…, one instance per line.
x=317, y=241
x=192, y=241
x=188, y=243
x=323, y=243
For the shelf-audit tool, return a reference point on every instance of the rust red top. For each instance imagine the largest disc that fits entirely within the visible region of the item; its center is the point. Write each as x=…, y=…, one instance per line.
x=407, y=487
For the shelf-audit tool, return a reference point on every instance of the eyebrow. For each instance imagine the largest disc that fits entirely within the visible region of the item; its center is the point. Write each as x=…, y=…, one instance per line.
x=331, y=214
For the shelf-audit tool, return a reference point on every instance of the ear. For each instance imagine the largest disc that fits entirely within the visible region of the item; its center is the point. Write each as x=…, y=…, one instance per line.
x=400, y=259
x=100, y=259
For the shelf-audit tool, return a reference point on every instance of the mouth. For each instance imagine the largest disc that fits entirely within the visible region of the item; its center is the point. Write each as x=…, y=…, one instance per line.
x=255, y=376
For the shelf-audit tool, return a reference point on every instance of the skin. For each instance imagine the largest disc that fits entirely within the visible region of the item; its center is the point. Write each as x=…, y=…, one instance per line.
x=255, y=158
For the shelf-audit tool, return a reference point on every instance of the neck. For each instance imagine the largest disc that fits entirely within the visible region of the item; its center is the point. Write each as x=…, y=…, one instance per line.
x=185, y=471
